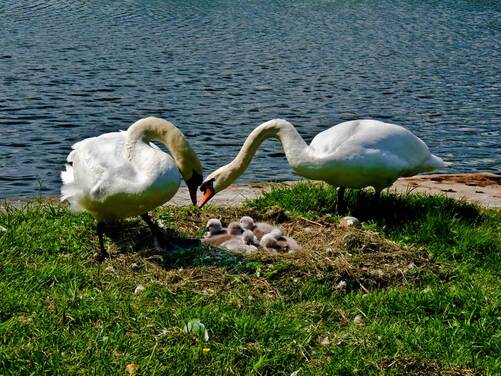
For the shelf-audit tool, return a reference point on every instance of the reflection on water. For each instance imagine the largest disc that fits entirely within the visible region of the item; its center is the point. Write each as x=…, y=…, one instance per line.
x=72, y=69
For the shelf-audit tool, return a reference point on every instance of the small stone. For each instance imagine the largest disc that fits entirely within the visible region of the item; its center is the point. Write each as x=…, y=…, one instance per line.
x=325, y=342
x=349, y=222
x=358, y=320
x=341, y=286
x=139, y=289
x=110, y=269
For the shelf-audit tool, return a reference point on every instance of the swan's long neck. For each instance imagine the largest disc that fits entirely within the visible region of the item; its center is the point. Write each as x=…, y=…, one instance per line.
x=296, y=150
x=156, y=129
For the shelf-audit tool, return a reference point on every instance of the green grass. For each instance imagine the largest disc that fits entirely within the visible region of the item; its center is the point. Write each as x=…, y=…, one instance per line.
x=451, y=230
x=61, y=313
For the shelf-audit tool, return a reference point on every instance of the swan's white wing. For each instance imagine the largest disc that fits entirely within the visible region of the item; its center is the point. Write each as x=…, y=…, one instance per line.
x=101, y=168
x=369, y=152
x=396, y=144
x=103, y=181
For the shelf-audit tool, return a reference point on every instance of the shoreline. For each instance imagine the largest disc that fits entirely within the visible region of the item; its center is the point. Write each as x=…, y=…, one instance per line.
x=480, y=188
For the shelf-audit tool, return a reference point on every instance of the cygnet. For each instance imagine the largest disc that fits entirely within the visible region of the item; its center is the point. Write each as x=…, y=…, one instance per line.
x=234, y=230
x=214, y=227
x=245, y=244
x=259, y=229
x=275, y=241
x=249, y=238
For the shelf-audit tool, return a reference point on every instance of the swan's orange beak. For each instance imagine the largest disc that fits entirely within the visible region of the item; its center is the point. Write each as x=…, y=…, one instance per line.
x=209, y=192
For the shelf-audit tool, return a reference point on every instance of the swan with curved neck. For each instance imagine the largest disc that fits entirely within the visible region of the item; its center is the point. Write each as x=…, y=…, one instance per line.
x=353, y=154
x=122, y=174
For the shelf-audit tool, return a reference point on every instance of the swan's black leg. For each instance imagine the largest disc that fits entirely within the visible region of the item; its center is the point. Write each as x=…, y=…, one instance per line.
x=100, y=233
x=163, y=239
x=157, y=232
x=152, y=225
x=340, y=204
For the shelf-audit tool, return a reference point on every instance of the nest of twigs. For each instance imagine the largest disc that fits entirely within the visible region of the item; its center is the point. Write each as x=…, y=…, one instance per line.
x=339, y=258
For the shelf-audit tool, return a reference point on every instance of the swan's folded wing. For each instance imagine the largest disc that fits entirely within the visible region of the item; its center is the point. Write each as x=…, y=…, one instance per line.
x=100, y=167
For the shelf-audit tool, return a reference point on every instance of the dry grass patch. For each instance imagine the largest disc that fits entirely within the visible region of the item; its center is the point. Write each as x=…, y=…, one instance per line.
x=208, y=278
x=343, y=259
x=363, y=259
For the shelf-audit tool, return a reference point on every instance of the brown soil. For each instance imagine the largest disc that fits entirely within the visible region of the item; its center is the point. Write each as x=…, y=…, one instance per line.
x=474, y=180
x=479, y=188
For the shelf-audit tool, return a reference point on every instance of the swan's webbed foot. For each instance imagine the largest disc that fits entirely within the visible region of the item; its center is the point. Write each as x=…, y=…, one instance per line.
x=99, y=257
x=340, y=203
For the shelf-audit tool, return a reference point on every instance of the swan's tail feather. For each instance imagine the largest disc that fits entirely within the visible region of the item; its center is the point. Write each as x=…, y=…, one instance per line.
x=67, y=176
x=69, y=190
x=435, y=162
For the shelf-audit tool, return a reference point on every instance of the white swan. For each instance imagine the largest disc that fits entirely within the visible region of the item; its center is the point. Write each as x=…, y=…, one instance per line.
x=121, y=174
x=353, y=154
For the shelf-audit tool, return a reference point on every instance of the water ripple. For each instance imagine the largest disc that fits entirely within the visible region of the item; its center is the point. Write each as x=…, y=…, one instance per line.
x=72, y=69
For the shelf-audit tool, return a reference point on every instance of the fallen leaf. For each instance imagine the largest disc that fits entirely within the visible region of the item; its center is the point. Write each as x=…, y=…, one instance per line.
x=131, y=369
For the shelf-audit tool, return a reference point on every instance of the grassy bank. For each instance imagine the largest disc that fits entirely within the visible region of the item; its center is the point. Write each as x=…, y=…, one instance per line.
x=422, y=292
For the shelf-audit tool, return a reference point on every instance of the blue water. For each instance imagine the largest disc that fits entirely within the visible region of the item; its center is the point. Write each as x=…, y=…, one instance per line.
x=73, y=69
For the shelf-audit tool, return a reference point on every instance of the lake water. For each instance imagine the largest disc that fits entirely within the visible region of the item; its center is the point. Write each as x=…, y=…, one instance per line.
x=71, y=69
